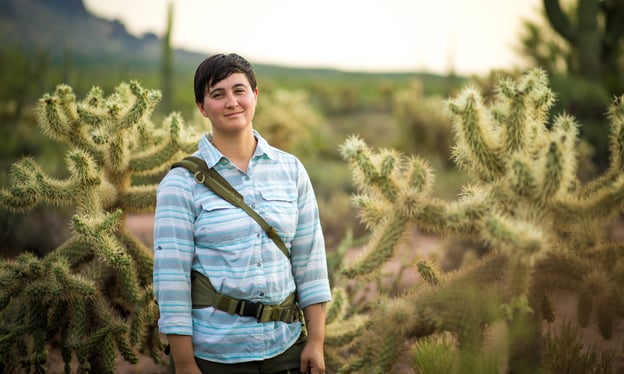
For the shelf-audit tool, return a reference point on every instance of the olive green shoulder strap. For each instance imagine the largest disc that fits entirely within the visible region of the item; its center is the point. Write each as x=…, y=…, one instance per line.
x=213, y=180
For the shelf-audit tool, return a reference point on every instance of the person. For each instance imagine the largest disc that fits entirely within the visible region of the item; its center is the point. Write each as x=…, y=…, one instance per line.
x=197, y=231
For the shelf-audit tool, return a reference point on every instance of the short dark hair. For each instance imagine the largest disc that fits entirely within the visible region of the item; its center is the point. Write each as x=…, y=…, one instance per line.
x=218, y=67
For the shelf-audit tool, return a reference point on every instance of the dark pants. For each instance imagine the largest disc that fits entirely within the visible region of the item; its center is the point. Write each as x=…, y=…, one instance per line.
x=286, y=363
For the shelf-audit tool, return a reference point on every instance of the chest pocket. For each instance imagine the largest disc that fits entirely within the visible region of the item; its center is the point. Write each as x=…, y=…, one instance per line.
x=279, y=208
x=220, y=223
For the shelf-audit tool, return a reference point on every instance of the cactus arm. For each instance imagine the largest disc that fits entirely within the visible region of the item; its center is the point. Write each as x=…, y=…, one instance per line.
x=552, y=172
x=519, y=240
x=370, y=210
x=600, y=205
x=474, y=135
x=380, y=250
x=76, y=251
x=560, y=21
x=98, y=230
x=31, y=186
x=614, y=30
x=62, y=119
x=145, y=100
x=590, y=38
x=138, y=199
x=464, y=217
x=155, y=160
x=23, y=193
x=50, y=120
x=616, y=140
x=586, y=37
x=420, y=176
x=117, y=155
x=158, y=158
x=142, y=257
x=514, y=134
x=524, y=181
x=616, y=150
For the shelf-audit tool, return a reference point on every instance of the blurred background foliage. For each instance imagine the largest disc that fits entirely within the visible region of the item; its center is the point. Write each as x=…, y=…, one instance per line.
x=308, y=112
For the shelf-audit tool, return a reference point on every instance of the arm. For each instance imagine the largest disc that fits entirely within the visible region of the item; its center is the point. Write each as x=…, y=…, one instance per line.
x=310, y=271
x=312, y=359
x=182, y=352
x=173, y=253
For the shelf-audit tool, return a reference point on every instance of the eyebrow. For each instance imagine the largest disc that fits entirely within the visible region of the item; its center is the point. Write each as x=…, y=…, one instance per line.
x=237, y=85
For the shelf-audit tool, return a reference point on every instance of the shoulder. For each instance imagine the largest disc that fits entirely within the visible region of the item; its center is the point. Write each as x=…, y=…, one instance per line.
x=283, y=157
x=274, y=153
x=177, y=177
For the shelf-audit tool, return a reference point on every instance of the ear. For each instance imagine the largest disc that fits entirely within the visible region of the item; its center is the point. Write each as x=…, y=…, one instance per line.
x=200, y=106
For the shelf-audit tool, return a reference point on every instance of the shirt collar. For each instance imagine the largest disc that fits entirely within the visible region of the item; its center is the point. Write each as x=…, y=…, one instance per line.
x=212, y=155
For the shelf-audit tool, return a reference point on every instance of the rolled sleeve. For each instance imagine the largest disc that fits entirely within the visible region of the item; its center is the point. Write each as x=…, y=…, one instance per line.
x=308, y=248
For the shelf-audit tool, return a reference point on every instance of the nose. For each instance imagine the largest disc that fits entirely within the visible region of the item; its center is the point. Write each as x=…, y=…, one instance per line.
x=231, y=101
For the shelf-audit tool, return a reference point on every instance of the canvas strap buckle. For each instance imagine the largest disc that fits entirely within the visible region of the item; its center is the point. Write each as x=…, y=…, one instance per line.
x=199, y=177
x=247, y=308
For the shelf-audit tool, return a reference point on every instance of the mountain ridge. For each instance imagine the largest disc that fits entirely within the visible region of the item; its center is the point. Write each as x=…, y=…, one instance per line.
x=66, y=29
x=59, y=26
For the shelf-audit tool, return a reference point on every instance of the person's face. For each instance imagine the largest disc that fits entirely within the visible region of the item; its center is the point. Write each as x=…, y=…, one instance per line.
x=230, y=104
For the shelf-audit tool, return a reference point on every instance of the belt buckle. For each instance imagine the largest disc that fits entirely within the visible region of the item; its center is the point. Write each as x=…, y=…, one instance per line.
x=252, y=309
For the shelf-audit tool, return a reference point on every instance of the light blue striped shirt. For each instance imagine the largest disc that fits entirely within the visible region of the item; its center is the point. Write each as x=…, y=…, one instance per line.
x=195, y=229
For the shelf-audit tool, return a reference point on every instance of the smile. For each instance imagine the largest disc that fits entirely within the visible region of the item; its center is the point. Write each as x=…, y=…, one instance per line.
x=233, y=114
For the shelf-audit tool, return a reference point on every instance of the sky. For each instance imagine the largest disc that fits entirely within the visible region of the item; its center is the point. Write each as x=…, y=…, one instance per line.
x=468, y=36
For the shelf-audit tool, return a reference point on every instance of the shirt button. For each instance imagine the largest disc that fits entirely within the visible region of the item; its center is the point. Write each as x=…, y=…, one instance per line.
x=247, y=178
x=259, y=264
x=253, y=206
x=159, y=247
x=257, y=235
x=261, y=293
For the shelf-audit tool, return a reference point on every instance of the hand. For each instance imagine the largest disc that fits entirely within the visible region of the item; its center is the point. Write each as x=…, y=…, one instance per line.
x=312, y=360
x=182, y=354
x=189, y=369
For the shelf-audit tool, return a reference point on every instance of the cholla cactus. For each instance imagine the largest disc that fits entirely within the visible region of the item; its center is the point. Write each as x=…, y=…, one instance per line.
x=288, y=119
x=545, y=228
x=93, y=293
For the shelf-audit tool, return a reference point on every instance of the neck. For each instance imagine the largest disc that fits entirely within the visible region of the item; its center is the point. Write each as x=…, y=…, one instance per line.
x=238, y=148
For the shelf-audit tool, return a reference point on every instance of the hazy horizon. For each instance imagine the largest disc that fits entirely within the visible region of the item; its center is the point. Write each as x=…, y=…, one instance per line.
x=364, y=35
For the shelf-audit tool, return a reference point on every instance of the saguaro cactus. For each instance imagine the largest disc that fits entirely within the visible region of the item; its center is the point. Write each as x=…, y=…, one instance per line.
x=595, y=34
x=92, y=294
x=545, y=228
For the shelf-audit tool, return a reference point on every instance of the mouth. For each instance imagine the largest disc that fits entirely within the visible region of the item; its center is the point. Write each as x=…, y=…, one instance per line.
x=233, y=114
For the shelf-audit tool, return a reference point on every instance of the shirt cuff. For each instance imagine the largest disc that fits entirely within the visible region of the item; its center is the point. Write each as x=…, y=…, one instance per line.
x=314, y=292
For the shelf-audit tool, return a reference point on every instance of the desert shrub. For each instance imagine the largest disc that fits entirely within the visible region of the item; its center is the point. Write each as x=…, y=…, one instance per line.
x=564, y=352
